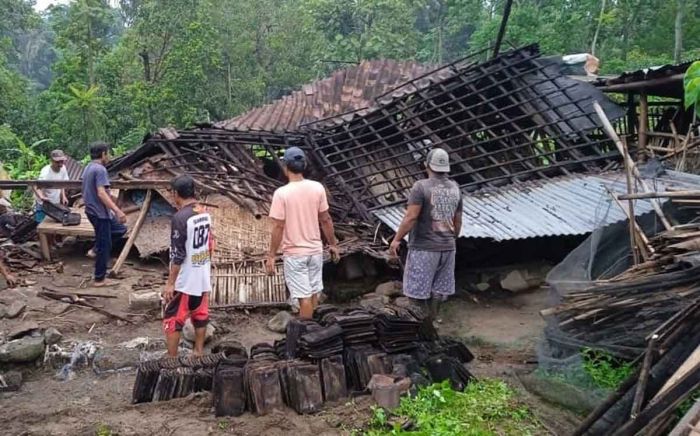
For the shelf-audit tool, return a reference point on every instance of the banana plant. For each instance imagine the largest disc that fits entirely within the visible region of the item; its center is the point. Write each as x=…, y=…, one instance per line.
x=691, y=84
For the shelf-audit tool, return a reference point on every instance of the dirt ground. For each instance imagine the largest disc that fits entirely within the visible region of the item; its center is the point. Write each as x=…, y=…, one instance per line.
x=502, y=333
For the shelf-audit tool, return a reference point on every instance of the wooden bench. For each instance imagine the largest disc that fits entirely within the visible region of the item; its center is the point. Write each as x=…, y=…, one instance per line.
x=52, y=227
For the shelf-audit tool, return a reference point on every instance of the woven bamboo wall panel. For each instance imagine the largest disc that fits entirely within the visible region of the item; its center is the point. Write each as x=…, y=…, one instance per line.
x=239, y=235
x=245, y=283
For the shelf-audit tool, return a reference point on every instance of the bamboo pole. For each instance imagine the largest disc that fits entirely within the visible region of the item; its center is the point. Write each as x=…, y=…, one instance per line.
x=636, y=232
x=616, y=139
x=661, y=194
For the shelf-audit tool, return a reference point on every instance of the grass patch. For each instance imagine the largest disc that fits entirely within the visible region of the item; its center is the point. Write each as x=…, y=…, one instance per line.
x=485, y=407
x=606, y=371
x=103, y=430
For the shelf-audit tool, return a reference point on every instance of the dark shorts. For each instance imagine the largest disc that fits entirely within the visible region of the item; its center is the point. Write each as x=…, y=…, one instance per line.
x=428, y=274
x=184, y=306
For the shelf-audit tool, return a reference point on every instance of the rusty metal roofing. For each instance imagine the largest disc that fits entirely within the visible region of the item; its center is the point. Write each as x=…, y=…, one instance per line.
x=570, y=205
x=345, y=91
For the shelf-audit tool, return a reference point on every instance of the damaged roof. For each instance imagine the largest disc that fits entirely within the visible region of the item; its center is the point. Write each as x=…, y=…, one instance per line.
x=346, y=90
x=509, y=119
x=565, y=206
x=662, y=81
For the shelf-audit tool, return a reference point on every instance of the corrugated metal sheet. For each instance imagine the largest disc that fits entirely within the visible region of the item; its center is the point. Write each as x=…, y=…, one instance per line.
x=345, y=91
x=572, y=205
x=74, y=168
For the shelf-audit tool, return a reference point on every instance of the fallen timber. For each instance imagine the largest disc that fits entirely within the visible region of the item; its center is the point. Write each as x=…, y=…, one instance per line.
x=646, y=402
x=619, y=314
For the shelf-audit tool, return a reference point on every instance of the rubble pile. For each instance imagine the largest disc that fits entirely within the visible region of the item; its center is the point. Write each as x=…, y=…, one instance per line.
x=321, y=360
x=618, y=314
x=668, y=373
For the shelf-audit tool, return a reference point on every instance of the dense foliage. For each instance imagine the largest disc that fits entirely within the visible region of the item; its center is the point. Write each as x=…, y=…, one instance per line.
x=485, y=407
x=114, y=70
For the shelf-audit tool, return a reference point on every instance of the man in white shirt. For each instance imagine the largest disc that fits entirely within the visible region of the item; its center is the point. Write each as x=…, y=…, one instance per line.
x=56, y=170
x=186, y=292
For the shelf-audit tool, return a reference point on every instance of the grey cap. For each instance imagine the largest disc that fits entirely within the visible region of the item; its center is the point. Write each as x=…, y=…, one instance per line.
x=438, y=160
x=58, y=155
x=293, y=154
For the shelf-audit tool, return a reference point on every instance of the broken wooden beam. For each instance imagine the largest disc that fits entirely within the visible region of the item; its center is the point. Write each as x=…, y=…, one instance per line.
x=132, y=236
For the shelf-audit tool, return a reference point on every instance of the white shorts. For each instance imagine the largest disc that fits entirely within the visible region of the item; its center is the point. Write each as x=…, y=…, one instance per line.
x=303, y=275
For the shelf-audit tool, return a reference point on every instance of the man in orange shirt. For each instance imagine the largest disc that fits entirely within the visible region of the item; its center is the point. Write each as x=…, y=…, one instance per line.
x=299, y=211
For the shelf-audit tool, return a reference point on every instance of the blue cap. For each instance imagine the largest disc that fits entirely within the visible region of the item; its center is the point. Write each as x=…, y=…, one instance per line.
x=293, y=154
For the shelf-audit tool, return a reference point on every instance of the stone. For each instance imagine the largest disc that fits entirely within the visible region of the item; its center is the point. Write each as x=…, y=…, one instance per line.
x=515, y=281
x=10, y=381
x=144, y=300
x=372, y=301
x=52, y=336
x=15, y=309
x=390, y=289
x=278, y=323
x=482, y=286
x=22, y=329
x=3, y=311
x=23, y=350
x=188, y=331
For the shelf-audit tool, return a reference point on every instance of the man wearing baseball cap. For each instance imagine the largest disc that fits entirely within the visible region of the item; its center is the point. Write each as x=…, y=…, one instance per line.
x=433, y=221
x=56, y=170
x=299, y=212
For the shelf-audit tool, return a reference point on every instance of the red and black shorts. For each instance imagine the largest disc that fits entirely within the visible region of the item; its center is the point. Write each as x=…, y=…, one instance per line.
x=183, y=306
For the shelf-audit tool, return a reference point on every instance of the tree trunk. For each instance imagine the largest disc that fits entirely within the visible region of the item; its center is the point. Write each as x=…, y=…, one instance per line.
x=597, y=28
x=678, y=47
x=146, y=66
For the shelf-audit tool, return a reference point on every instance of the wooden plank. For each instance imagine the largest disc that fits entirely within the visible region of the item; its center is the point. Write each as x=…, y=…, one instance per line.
x=691, y=362
x=77, y=184
x=52, y=227
x=643, y=378
x=132, y=236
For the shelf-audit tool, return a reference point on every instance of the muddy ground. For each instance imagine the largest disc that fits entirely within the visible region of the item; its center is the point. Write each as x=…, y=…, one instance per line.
x=502, y=330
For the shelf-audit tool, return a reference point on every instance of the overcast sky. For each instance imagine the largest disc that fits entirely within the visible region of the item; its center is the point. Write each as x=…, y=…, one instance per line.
x=43, y=4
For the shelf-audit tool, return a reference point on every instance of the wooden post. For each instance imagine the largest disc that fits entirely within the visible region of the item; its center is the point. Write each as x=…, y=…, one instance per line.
x=616, y=139
x=643, y=124
x=632, y=221
x=45, y=248
x=502, y=28
x=132, y=236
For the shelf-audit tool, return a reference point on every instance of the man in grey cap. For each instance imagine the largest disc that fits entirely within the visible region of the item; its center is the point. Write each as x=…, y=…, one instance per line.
x=434, y=220
x=299, y=213
x=56, y=170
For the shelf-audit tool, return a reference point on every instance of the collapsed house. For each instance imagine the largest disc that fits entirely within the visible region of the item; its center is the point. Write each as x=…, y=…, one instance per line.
x=526, y=146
